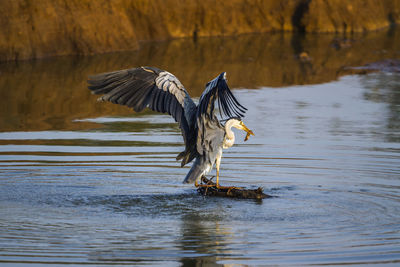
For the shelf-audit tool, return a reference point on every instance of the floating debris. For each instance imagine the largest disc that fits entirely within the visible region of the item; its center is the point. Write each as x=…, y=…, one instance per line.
x=387, y=65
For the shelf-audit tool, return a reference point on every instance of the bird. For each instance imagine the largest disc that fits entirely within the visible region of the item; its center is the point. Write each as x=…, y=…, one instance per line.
x=204, y=134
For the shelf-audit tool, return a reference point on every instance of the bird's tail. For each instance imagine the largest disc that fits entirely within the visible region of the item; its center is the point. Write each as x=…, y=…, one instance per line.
x=195, y=172
x=186, y=157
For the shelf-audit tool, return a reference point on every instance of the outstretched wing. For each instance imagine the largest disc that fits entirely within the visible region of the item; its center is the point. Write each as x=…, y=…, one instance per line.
x=150, y=87
x=208, y=126
x=218, y=90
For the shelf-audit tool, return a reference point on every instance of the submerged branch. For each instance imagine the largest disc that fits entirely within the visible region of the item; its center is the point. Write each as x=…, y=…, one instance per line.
x=231, y=192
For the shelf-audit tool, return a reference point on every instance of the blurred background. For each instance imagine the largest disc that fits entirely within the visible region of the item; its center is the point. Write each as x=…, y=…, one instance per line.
x=83, y=182
x=37, y=29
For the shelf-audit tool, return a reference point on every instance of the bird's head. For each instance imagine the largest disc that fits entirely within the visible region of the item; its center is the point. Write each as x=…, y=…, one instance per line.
x=238, y=124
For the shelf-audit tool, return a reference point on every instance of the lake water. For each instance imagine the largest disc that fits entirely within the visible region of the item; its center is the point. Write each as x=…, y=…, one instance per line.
x=84, y=183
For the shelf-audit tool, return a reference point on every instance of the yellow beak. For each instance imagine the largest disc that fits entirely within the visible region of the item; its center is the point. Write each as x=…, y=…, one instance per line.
x=249, y=132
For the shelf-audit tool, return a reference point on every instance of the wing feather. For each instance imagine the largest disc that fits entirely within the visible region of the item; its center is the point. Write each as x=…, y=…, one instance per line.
x=148, y=87
x=217, y=90
x=208, y=127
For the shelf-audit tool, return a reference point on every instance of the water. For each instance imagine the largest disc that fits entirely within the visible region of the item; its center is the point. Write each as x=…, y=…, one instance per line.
x=83, y=182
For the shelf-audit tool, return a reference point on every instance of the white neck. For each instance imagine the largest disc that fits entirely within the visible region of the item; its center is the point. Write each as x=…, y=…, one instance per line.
x=229, y=135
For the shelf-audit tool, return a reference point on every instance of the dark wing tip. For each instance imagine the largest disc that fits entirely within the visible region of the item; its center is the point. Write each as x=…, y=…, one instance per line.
x=217, y=90
x=211, y=84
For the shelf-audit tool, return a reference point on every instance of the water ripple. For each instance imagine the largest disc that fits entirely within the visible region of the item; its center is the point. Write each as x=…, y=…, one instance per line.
x=111, y=196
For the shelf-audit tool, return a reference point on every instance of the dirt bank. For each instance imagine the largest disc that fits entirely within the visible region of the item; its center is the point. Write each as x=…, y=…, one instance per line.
x=43, y=28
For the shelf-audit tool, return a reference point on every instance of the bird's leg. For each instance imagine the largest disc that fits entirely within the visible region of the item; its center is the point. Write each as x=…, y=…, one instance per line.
x=196, y=184
x=217, y=164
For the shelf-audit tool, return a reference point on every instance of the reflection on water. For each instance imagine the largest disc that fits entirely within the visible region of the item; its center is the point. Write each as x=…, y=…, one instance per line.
x=384, y=88
x=51, y=94
x=88, y=183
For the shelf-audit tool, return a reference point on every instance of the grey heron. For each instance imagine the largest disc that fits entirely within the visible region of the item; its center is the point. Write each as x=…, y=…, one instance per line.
x=204, y=134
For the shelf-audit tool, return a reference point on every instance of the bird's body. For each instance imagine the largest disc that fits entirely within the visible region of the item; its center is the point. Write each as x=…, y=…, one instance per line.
x=159, y=90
